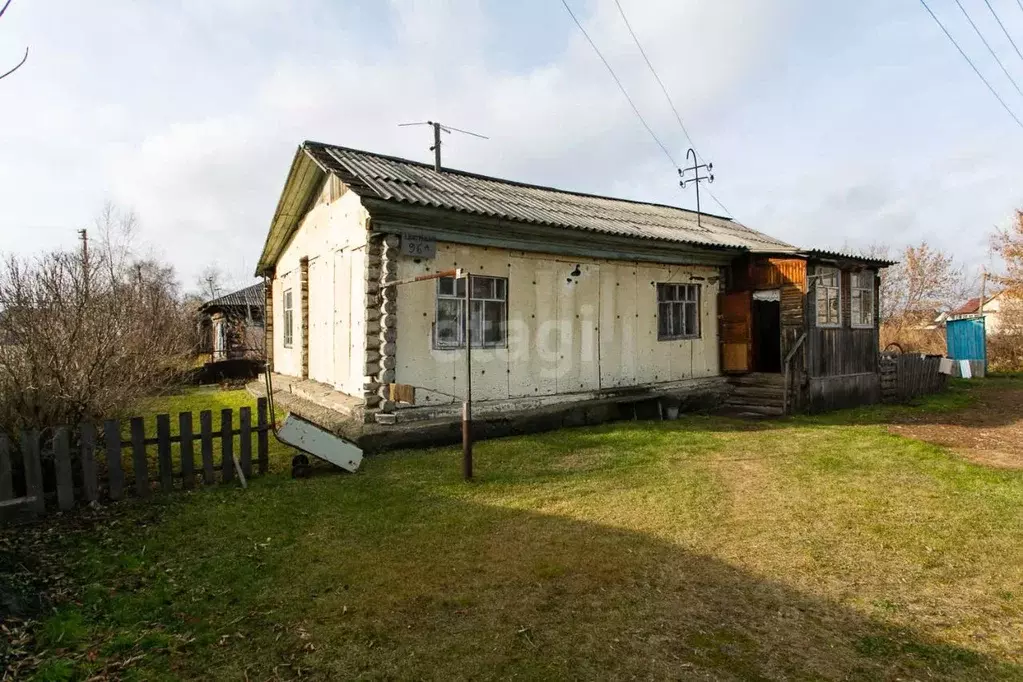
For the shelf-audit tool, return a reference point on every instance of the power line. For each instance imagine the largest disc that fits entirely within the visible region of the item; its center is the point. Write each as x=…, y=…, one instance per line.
x=989, y=48
x=972, y=65
x=664, y=90
x=620, y=86
x=1004, y=30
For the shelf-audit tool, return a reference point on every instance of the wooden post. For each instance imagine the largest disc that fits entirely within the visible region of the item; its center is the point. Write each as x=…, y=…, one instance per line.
x=62, y=469
x=6, y=480
x=90, y=486
x=226, y=445
x=187, y=450
x=112, y=444
x=245, y=440
x=138, y=453
x=33, y=471
x=163, y=450
x=262, y=437
x=206, y=445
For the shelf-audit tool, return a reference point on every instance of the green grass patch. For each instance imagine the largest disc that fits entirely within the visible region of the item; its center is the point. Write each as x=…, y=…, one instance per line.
x=806, y=548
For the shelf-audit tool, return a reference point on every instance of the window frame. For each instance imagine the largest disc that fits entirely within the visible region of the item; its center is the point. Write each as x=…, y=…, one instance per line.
x=856, y=287
x=288, y=317
x=837, y=288
x=477, y=333
x=696, y=300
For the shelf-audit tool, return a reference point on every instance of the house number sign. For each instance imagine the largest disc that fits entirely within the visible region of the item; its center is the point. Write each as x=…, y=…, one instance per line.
x=418, y=247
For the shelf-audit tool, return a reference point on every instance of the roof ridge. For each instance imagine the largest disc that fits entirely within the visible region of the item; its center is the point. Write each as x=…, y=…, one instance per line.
x=517, y=183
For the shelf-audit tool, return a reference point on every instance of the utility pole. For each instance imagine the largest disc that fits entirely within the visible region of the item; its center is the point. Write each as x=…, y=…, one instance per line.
x=83, y=234
x=696, y=179
x=438, y=128
x=983, y=290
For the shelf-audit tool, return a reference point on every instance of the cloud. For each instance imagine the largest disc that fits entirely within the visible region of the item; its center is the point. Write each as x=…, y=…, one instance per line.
x=213, y=182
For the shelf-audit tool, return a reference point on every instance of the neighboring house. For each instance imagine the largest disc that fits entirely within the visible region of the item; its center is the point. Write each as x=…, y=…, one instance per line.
x=992, y=311
x=233, y=325
x=577, y=300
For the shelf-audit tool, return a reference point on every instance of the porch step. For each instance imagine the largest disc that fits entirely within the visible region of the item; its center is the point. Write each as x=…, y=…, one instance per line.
x=757, y=379
x=744, y=410
x=756, y=395
x=755, y=392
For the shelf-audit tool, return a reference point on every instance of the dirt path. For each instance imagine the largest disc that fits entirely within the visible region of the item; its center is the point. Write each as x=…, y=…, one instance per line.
x=989, y=431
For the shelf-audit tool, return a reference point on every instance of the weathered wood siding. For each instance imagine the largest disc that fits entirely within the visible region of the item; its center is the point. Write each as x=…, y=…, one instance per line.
x=333, y=237
x=842, y=362
x=575, y=325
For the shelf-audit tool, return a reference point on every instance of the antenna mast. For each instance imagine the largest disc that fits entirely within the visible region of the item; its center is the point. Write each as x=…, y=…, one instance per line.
x=438, y=128
x=696, y=179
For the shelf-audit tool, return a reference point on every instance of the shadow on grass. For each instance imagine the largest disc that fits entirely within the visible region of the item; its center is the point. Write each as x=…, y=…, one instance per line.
x=357, y=579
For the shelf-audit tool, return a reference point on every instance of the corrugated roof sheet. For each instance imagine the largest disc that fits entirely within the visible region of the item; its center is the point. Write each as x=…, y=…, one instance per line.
x=824, y=253
x=410, y=182
x=251, y=296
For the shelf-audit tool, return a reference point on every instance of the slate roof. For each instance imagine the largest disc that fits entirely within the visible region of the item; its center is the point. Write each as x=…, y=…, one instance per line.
x=403, y=181
x=251, y=296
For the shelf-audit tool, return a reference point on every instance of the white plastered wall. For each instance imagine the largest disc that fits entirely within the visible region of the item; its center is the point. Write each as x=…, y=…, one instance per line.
x=575, y=325
x=333, y=236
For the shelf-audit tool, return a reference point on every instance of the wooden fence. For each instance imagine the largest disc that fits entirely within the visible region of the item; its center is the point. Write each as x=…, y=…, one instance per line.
x=904, y=377
x=53, y=475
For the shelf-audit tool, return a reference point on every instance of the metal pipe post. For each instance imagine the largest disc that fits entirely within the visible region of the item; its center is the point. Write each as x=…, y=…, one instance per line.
x=467, y=405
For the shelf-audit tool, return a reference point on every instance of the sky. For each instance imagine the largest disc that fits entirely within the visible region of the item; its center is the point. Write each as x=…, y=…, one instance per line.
x=830, y=124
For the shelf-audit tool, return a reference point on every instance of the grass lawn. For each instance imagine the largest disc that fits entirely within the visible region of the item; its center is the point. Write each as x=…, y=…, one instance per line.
x=806, y=548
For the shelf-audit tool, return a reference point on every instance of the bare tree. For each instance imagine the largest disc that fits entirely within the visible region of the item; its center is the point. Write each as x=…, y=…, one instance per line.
x=1005, y=348
x=79, y=343
x=925, y=282
x=23, y=59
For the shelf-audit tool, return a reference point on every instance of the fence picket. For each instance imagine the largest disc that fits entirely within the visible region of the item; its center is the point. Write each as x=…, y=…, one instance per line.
x=6, y=480
x=112, y=445
x=90, y=486
x=245, y=440
x=62, y=469
x=163, y=450
x=206, y=445
x=186, y=449
x=226, y=445
x=262, y=439
x=33, y=471
x=138, y=453
x=109, y=437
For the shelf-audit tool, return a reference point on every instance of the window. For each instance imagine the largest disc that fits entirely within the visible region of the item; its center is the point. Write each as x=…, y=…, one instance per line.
x=289, y=318
x=489, y=312
x=862, y=303
x=829, y=297
x=678, y=311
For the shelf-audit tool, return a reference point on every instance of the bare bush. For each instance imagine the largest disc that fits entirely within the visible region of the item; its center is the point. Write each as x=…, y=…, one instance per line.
x=86, y=338
x=925, y=282
x=1005, y=349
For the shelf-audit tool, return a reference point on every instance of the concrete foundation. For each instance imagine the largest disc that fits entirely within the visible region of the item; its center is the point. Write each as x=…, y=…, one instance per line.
x=343, y=415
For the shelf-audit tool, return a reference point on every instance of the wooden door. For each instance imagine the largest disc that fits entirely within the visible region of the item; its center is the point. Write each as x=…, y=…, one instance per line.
x=735, y=312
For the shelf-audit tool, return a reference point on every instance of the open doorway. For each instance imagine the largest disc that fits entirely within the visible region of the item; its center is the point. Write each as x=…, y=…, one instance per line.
x=767, y=331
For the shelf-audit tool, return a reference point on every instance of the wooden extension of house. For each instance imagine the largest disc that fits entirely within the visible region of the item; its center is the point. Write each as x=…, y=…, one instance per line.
x=580, y=308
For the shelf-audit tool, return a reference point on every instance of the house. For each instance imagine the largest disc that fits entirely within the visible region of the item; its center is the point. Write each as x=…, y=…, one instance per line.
x=232, y=325
x=992, y=311
x=579, y=304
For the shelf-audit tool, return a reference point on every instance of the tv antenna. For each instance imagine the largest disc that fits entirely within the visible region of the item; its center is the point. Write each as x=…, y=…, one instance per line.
x=437, y=129
x=696, y=179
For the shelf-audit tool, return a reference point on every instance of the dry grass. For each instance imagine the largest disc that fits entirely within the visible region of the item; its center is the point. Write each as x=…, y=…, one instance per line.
x=704, y=548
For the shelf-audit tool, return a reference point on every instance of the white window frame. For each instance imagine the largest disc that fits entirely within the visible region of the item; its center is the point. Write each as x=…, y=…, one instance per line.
x=822, y=291
x=288, y=317
x=861, y=289
x=672, y=300
x=488, y=293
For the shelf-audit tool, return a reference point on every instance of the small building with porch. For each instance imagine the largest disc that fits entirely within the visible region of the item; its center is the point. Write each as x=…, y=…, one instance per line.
x=581, y=307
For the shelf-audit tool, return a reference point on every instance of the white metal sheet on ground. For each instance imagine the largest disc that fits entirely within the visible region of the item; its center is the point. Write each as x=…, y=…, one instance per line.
x=310, y=438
